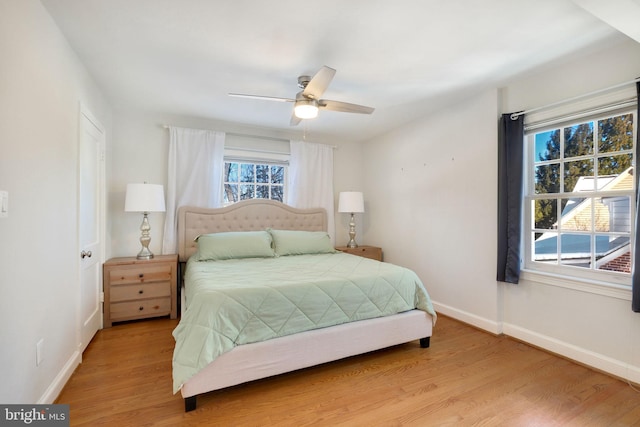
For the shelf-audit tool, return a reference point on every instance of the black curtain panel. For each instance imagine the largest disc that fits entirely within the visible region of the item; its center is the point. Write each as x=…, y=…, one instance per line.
x=510, y=175
x=635, y=279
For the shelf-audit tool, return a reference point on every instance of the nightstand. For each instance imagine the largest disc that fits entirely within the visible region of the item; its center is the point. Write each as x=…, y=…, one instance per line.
x=139, y=289
x=372, y=252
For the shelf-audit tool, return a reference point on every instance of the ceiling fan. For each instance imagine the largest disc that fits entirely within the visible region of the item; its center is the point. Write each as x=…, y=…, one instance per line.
x=307, y=101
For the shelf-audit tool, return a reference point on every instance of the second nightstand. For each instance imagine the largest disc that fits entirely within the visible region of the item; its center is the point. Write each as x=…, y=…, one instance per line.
x=372, y=252
x=137, y=289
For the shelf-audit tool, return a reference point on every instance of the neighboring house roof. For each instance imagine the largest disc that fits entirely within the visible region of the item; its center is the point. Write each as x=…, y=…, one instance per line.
x=587, y=183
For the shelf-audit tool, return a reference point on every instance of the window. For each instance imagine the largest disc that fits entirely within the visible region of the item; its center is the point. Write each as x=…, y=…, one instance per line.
x=579, y=198
x=253, y=181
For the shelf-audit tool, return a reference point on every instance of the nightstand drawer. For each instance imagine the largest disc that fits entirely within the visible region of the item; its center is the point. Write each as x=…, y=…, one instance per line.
x=140, y=309
x=140, y=291
x=372, y=252
x=135, y=274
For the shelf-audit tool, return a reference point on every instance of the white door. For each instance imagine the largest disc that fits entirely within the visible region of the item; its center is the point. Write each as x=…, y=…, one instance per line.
x=90, y=217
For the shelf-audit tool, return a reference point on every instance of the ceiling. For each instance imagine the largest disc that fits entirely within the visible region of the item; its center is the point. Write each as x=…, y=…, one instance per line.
x=403, y=57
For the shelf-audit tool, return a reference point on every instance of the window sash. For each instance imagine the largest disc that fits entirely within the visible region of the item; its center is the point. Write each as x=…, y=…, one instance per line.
x=613, y=277
x=251, y=187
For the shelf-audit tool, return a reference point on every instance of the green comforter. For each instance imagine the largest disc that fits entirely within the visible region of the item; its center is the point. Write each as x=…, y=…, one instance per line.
x=242, y=301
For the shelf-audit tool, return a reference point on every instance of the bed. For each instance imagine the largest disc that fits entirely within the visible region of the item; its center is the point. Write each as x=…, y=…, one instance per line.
x=212, y=353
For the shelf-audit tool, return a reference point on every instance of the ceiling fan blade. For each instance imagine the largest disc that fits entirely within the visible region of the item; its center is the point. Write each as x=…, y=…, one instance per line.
x=294, y=120
x=266, y=98
x=319, y=82
x=344, y=107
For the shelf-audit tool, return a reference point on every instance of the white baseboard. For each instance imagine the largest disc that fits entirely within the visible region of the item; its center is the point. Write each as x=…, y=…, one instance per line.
x=586, y=357
x=469, y=318
x=54, y=389
x=597, y=361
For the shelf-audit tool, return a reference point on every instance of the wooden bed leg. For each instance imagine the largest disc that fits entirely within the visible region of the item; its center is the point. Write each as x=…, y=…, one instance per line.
x=189, y=403
x=425, y=342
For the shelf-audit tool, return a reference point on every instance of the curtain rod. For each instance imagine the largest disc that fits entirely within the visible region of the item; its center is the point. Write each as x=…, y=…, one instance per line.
x=575, y=98
x=270, y=138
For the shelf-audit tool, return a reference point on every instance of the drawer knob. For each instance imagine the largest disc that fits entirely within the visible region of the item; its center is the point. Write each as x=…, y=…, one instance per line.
x=141, y=292
x=141, y=308
x=141, y=275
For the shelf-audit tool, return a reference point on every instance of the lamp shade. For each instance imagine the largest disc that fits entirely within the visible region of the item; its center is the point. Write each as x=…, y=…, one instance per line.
x=351, y=202
x=144, y=198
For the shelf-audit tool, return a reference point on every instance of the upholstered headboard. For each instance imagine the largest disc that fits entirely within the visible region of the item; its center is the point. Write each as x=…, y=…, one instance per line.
x=247, y=215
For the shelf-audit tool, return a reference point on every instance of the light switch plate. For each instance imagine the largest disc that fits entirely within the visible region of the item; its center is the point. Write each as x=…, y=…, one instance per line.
x=4, y=204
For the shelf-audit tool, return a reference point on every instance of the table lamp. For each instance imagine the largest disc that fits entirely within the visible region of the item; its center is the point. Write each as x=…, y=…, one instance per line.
x=351, y=202
x=144, y=198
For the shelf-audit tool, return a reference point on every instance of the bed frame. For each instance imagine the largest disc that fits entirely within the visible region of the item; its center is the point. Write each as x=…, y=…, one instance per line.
x=284, y=354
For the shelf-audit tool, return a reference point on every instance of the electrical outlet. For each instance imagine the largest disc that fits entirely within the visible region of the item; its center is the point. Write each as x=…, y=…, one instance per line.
x=39, y=351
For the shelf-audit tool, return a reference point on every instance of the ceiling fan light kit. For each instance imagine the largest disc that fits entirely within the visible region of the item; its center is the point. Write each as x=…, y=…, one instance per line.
x=306, y=108
x=308, y=102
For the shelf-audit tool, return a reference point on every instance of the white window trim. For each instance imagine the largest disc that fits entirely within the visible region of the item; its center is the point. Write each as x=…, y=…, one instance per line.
x=597, y=287
x=256, y=156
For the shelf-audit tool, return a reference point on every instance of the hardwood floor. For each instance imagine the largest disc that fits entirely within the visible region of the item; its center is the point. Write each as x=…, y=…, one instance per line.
x=467, y=377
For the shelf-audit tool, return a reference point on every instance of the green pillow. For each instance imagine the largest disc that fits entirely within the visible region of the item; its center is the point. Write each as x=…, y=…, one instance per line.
x=292, y=242
x=234, y=244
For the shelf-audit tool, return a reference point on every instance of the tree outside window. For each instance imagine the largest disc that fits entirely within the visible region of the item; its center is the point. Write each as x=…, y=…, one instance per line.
x=244, y=181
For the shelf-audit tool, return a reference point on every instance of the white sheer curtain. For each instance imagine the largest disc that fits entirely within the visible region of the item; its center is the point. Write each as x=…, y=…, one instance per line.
x=310, y=183
x=196, y=163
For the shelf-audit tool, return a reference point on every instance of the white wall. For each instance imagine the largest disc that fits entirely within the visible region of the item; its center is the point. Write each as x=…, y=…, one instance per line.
x=434, y=210
x=433, y=205
x=139, y=153
x=42, y=84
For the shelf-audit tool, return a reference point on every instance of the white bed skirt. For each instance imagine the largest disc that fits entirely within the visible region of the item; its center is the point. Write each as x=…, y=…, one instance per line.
x=285, y=354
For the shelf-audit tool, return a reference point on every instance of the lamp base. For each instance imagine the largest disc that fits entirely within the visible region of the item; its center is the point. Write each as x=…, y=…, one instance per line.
x=145, y=239
x=144, y=254
x=352, y=233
